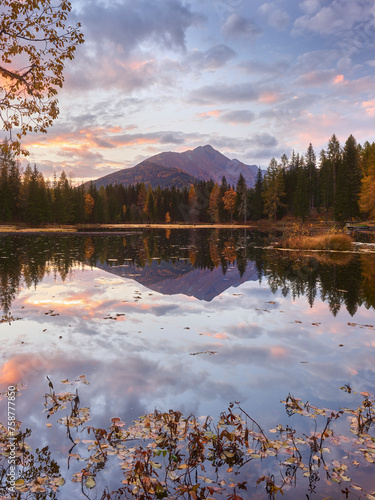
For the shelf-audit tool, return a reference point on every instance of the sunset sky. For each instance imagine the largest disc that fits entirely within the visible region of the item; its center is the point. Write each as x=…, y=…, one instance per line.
x=254, y=79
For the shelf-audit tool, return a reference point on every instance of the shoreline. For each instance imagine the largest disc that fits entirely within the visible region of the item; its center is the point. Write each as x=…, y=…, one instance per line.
x=80, y=228
x=264, y=224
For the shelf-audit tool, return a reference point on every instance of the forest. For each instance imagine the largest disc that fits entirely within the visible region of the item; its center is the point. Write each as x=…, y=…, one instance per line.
x=338, y=185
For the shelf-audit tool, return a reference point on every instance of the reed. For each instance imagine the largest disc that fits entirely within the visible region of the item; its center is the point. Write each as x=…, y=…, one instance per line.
x=337, y=241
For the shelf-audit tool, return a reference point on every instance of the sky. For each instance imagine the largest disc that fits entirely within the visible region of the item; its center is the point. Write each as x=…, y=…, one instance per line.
x=254, y=79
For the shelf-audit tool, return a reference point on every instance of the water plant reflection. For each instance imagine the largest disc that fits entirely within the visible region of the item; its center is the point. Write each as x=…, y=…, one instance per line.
x=169, y=455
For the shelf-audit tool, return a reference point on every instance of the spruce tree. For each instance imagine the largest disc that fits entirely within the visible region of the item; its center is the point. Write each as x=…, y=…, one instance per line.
x=257, y=206
x=241, y=207
x=310, y=161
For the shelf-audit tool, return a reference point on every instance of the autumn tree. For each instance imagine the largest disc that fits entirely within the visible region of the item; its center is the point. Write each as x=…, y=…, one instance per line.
x=35, y=42
x=193, y=204
x=229, y=200
x=367, y=198
x=214, y=203
x=89, y=205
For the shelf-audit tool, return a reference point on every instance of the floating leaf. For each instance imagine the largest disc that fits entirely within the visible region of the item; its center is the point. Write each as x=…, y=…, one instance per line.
x=90, y=482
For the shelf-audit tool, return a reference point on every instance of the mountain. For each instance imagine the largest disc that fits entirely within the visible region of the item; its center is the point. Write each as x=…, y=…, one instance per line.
x=207, y=163
x=149, y=173
x=183, y=169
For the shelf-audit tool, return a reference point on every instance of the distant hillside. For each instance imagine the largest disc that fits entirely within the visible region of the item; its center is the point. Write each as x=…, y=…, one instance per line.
x=183, y=169
x=149, y=173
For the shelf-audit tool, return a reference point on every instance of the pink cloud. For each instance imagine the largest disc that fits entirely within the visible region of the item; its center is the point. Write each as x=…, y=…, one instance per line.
x=369, y=107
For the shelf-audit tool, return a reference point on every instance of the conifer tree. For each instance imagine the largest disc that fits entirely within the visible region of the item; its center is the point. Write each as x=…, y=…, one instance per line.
x=310, y=161
x=241, y=199
x=274, y=189
x=257, y=205
x=301, y=194
x=335, y=162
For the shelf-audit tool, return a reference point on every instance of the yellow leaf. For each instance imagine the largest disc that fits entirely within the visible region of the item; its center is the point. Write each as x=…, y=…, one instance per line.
x=90, y=482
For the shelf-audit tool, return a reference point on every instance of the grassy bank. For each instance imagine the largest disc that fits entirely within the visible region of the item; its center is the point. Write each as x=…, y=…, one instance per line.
x=338, y=242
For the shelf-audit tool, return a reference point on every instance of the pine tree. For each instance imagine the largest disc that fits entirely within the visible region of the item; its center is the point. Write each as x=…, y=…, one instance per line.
x=257, y=205
x=148, y=209
x=334, y=155
x=241, y=199
x=352, y=170
x=274, y=189
x=325, y=182
x=310, y=161
x=301, y=194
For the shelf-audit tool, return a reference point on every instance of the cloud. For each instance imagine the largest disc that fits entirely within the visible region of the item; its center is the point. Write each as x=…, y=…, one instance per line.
x=315, y=60
x=214, y=58
x=239, y=116
x=317, y=78
x=123, y=41
x=223, y=93
x=238, y=26
x=275, y=17
x=263, y=140
x=129, y=23
x=262, y=145
x=339, y=17
x=254, y=66
x=310, y=6
x=92, y=71
x=369, y=107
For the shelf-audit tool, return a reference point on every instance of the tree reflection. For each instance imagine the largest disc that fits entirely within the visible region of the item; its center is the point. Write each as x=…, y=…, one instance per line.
x=343, y=281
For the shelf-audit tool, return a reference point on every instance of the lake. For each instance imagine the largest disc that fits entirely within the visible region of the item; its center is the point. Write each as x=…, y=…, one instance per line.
x=185, y=320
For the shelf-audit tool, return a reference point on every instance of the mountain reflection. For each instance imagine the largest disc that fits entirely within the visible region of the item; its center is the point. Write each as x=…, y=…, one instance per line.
x=199, y=263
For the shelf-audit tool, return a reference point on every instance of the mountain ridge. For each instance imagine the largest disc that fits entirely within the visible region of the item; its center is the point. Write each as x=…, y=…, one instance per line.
x=183, y=169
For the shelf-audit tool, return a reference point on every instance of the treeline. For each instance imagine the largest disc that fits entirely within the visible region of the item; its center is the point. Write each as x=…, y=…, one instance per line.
x=340, y=185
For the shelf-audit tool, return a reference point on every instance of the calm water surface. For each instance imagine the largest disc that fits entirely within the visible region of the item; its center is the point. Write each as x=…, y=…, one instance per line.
x=182, y=319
